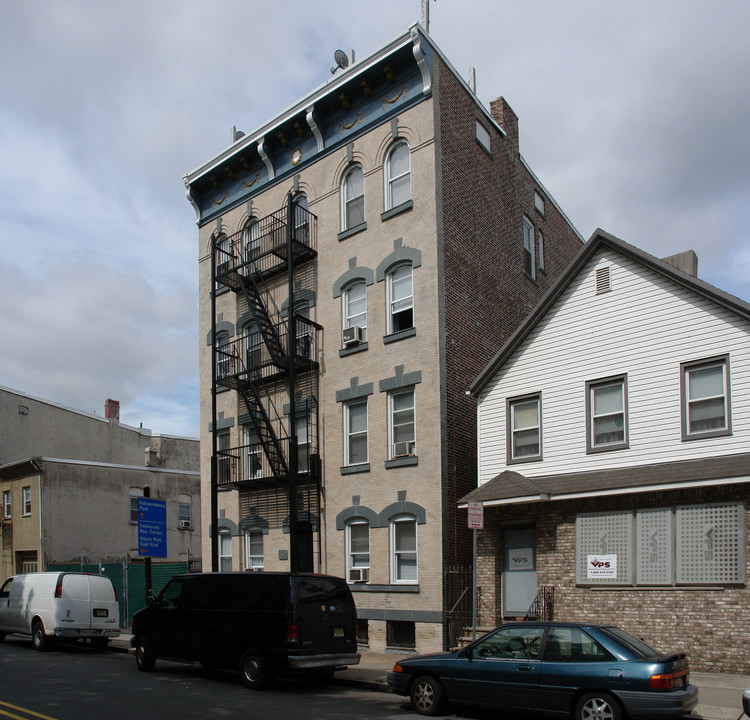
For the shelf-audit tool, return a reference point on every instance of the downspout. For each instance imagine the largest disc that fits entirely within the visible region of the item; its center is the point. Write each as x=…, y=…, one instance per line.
x=42, y=564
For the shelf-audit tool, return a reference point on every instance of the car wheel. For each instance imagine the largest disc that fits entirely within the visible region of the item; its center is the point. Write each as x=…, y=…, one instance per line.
x=256, y=672
x=597, y=706
x=145, y=657
x=37, y=635
x=427, y=695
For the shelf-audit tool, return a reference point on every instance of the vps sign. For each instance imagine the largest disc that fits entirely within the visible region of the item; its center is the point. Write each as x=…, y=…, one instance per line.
x=601, y=566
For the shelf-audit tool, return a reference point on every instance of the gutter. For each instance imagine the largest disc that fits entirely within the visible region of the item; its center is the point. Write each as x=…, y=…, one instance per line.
x=41, y=564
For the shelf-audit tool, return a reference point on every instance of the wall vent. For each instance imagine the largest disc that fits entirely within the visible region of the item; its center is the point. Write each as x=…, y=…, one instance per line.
x=603, y=279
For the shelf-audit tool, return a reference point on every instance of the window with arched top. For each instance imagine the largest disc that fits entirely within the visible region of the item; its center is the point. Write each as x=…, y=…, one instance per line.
x=353, y=198
x=225, y=551
x=251, y=240
x=397, y=175
x=223, y=356
x=404, y=550
x=301, y=229
x=358, y=550
x=354, y=308
x=400, y=299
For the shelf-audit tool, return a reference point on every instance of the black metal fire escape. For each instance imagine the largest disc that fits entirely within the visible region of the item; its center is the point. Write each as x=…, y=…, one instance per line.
x=252, y=264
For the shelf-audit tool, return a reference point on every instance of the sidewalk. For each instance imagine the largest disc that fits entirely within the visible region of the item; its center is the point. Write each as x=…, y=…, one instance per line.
x=720, y=695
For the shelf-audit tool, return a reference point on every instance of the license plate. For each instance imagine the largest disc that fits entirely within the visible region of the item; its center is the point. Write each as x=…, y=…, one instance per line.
x=101, y=612
x=338, y=632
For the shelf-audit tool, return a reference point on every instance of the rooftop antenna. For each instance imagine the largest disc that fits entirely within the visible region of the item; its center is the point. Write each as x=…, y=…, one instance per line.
x=341, y=60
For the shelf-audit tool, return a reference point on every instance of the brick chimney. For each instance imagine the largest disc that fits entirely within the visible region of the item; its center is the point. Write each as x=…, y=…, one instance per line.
x=503, y=115
x=112, y=409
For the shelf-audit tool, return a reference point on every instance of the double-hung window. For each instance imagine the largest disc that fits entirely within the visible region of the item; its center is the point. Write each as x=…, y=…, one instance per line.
x=26, y=496
x=251, y=240
x=355, y=308
x=607, y=414
x=301, y=219
x=223, y=459
x=706, y=407
x=355, y=432
x=6, y=504
x=253, y=550
x=184, y=511
x=223, y=356
x=397, y=176
x=524, y=420
x=353, y=198
x=253, y=455
x=400, y=299
x=225, y=551
x=528, y=248
x=401, y=423
x=404, y=550
x=358, y=551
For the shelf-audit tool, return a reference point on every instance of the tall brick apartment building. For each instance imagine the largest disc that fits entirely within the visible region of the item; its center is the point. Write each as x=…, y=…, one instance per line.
x=362, y=256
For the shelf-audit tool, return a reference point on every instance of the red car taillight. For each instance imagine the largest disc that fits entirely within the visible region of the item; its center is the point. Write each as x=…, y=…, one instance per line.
x=292, y=634
x=669, y=681
x=58, y=587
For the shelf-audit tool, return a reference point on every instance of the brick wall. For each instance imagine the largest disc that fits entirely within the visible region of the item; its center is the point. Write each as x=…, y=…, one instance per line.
x=706, y=622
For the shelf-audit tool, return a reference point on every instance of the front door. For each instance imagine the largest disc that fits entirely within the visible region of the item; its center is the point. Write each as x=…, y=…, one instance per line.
x=519, y=569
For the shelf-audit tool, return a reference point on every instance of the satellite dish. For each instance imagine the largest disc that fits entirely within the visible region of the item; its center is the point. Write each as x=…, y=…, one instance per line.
x=341, y=60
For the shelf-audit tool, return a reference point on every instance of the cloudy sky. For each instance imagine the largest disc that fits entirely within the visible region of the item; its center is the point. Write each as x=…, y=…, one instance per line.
x=635, y=115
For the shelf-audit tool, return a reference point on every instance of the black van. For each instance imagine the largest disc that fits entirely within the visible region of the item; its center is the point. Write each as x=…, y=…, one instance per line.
x=263, y=623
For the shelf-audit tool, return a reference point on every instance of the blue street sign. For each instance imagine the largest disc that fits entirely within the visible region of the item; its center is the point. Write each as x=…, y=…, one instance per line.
x=152, y=527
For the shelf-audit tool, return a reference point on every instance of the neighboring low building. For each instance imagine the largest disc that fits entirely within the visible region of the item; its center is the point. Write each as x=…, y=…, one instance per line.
x=81, y=512
x=614, y=429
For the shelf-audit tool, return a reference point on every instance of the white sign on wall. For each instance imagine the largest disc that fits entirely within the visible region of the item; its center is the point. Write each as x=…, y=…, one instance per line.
x=601, y=566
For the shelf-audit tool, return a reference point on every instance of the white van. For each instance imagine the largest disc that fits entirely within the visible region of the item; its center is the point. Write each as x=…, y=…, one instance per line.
x=61, y=605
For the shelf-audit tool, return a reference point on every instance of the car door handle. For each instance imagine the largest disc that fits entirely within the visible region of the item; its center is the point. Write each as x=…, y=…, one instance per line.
x=526, y=668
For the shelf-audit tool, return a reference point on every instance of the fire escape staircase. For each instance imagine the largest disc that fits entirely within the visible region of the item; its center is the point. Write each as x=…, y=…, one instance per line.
x=247, y=272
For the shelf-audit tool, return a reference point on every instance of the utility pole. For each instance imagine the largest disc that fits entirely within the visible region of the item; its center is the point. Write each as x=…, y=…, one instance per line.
x=147, y=559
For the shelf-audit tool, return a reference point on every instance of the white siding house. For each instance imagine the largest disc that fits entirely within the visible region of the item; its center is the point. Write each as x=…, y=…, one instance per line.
x=613, y=438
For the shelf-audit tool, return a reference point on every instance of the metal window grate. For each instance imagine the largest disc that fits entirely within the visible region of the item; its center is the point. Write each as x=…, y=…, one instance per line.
x=605, y=534
x=654, y=540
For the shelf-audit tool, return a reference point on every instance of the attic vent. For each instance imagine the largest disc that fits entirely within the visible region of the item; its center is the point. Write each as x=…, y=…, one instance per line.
x=603, y=280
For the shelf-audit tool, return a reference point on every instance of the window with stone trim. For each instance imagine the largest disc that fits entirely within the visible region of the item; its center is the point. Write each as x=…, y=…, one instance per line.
x=397, y=175
x=353, y=198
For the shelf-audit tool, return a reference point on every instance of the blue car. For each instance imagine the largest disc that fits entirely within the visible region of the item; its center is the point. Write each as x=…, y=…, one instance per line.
x=586, y=671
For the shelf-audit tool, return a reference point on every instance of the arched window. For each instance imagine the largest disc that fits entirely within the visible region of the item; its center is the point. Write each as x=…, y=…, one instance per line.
x=354, y=308
x=223, y=258
x=223, y=356
x=301, y=229
x=225, y=551
x=353, y=198
x=358, y=550
x=400, y=299
x=404, y=550
x=253, y=550
x=397, y=176
x=251, y=239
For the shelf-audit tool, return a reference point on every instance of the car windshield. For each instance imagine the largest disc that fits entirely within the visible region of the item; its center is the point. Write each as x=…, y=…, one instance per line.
x=637, y=647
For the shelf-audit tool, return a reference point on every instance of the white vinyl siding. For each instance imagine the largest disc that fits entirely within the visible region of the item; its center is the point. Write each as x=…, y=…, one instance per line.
x=639, y=328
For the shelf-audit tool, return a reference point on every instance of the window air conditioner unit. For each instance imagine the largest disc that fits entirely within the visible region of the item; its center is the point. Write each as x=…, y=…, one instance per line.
x=403, y=448
x=184, y=523
x=352, y=336
x=359, y=574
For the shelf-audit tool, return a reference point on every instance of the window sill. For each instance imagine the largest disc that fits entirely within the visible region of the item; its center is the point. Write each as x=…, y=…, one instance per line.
x=706, y=435
x=352, y=231
x=401, y=335
x=403, y=207
x=607, y=448
x=353, y=350
x=366, y=587
x=402, y=462
x=355, y=469
x=521, y=461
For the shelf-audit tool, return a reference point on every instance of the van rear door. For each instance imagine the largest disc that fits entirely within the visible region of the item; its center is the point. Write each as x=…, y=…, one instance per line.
x=73, y=606
x=325, y=615
x=105, y=612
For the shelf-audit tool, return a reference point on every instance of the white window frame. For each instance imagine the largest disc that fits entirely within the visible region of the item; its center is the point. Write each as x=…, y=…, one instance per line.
x=392, y=180
x=135, y=493
x=397, y=306
x=514, y=404
x=26, y=497
x=592, y=386
x=483, y=136
x=301, y=219
x=688, y=403
x=350, y=200
x=528, y=248
x=357, y=559
x=7, y=504
x=184, y=511
x=396, y=427
x=223, y=462
x=302, y=431
x=541, y=250
x=225, y=551
x=252, y=341
x=349, y=435
x=359, y=318
x=254, y=560
x=253, y=454
x=251, y=239
x=223, y=356
x=397, y=575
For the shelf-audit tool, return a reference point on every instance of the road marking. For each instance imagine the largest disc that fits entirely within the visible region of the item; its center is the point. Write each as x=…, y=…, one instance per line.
x=23, y=710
